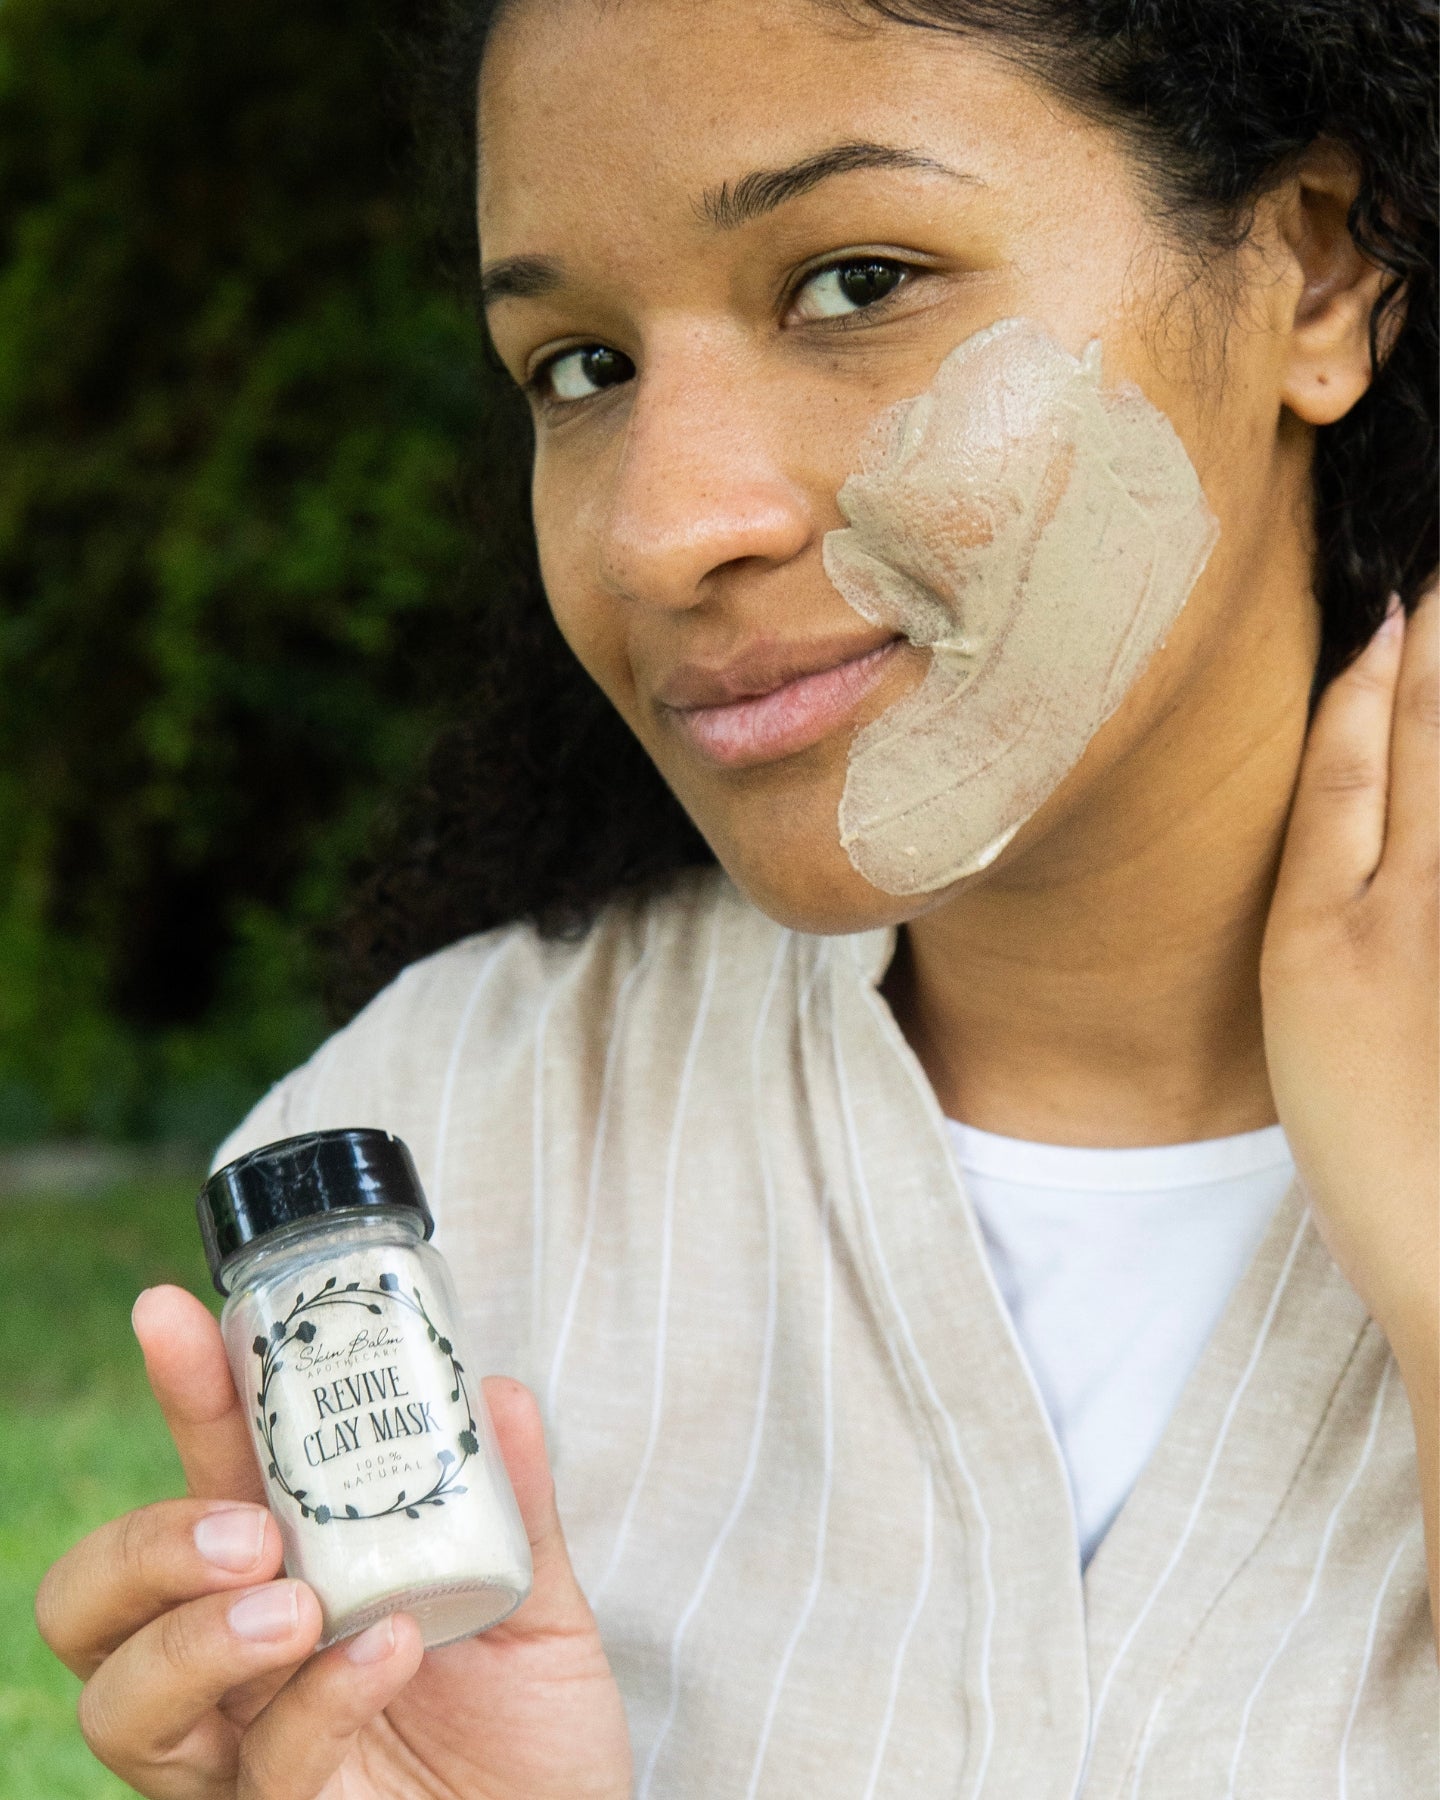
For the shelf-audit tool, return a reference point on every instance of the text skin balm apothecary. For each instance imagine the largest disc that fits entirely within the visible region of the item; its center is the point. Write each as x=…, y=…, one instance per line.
x=378, y=1456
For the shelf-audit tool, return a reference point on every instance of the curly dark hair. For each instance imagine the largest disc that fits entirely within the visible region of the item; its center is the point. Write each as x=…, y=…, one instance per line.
x=1216, y=98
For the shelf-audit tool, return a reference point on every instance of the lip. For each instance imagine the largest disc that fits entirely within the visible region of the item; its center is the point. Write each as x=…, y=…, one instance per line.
x=771, y=703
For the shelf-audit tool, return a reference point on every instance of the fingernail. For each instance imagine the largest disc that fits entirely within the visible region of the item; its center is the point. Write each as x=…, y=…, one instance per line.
x=136, y=1307
x=374, y=1645
x=267, y=1615
x=1394, y=621
x=232, y=1538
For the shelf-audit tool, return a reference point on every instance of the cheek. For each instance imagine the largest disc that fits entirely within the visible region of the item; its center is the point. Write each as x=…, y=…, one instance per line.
x=593, y=625
x=591, y=621
x=1040, y=535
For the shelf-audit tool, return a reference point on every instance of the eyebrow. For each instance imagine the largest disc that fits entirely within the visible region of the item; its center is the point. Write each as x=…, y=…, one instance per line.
x=519, y=278
x=730, y=205
x=726, y=207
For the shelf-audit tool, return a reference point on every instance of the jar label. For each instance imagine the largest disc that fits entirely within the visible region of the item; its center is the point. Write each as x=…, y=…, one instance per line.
x=361, y=1405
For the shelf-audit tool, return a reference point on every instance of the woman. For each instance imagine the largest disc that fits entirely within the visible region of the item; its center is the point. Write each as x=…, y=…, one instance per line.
x=884, y=360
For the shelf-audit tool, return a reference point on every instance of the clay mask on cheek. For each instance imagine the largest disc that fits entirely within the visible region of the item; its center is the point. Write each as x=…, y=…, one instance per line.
x=1038, y=534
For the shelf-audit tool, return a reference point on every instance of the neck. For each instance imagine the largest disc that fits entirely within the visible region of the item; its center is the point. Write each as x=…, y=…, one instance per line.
x=1104, y=990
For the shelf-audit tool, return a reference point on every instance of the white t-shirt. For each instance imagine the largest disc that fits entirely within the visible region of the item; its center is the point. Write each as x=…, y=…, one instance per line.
x=1116, y=1266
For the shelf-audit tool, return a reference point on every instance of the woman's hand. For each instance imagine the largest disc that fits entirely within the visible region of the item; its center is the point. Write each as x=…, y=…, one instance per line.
x=200, y=1681
x=1351, y=997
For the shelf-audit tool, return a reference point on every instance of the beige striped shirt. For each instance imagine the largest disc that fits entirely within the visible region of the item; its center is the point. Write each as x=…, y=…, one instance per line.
x=697, y=1192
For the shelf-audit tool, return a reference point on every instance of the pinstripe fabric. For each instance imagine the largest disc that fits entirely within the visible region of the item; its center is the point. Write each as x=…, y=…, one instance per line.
x=696, y=1191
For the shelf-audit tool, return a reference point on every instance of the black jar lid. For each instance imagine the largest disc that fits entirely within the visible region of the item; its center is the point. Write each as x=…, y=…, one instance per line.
x=301, y=1178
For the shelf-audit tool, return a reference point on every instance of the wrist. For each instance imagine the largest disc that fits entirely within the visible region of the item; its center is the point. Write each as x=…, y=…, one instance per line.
x=1412, y=1327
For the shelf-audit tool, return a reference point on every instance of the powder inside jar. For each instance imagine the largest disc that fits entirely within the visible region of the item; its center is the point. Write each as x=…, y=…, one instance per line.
x=378, y=1457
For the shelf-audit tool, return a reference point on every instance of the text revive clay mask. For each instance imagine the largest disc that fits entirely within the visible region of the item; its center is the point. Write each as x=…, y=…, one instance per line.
x=1039, y=534
x=341, y=1326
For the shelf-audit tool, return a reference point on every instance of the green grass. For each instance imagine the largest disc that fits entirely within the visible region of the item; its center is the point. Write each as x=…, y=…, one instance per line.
x=80, y=1437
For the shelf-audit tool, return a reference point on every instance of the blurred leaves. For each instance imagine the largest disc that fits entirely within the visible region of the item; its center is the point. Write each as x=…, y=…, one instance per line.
x=237, y=410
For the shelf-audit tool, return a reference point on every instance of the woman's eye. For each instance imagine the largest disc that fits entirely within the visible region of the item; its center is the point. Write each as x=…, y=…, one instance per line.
x=577, y=374
x=848, y=287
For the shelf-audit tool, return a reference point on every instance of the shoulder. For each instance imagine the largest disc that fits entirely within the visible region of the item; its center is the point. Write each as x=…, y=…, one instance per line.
x=463, y=1027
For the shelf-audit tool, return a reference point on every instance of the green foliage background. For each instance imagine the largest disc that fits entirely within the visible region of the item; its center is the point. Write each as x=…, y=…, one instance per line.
x=81, y=1440
x=239, y=406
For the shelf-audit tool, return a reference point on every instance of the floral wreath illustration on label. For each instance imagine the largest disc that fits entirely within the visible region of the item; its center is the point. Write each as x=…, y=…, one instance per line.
x=296, y=1328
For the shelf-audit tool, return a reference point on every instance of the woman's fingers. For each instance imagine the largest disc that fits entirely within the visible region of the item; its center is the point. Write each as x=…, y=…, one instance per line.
x=1412, y=833
x=296, y=1743
x=185, y=1361
x=556, y=1603
x=152, y=1705
x=133, y=1569
x=1337, y=822
x=301, y=1738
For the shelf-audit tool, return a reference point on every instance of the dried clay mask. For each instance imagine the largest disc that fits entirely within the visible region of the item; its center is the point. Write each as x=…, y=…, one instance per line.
x=1038, y=534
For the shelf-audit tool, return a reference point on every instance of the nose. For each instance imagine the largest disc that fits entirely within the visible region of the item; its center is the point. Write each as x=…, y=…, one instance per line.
x=701, y=484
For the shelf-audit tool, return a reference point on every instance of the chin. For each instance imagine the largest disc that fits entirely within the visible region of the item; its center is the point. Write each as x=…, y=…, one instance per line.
x=814, y=889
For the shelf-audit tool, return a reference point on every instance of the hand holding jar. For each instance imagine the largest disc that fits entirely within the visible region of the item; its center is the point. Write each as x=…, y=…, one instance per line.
x=199, y=1654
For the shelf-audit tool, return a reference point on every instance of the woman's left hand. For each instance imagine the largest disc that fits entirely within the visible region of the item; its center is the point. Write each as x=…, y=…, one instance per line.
x=1351, y=995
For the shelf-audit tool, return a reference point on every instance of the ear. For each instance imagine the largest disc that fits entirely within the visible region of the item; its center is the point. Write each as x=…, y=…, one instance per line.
x=1335, y=287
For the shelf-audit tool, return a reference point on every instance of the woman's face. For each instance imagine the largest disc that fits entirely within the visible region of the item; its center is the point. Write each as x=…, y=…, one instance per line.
x=718, y=241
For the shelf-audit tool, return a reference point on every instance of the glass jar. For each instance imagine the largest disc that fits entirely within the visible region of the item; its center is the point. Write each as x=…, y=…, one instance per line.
x=379, y=1460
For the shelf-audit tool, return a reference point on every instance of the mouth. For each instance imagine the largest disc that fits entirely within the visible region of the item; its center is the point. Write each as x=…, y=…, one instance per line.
x=758, y=709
